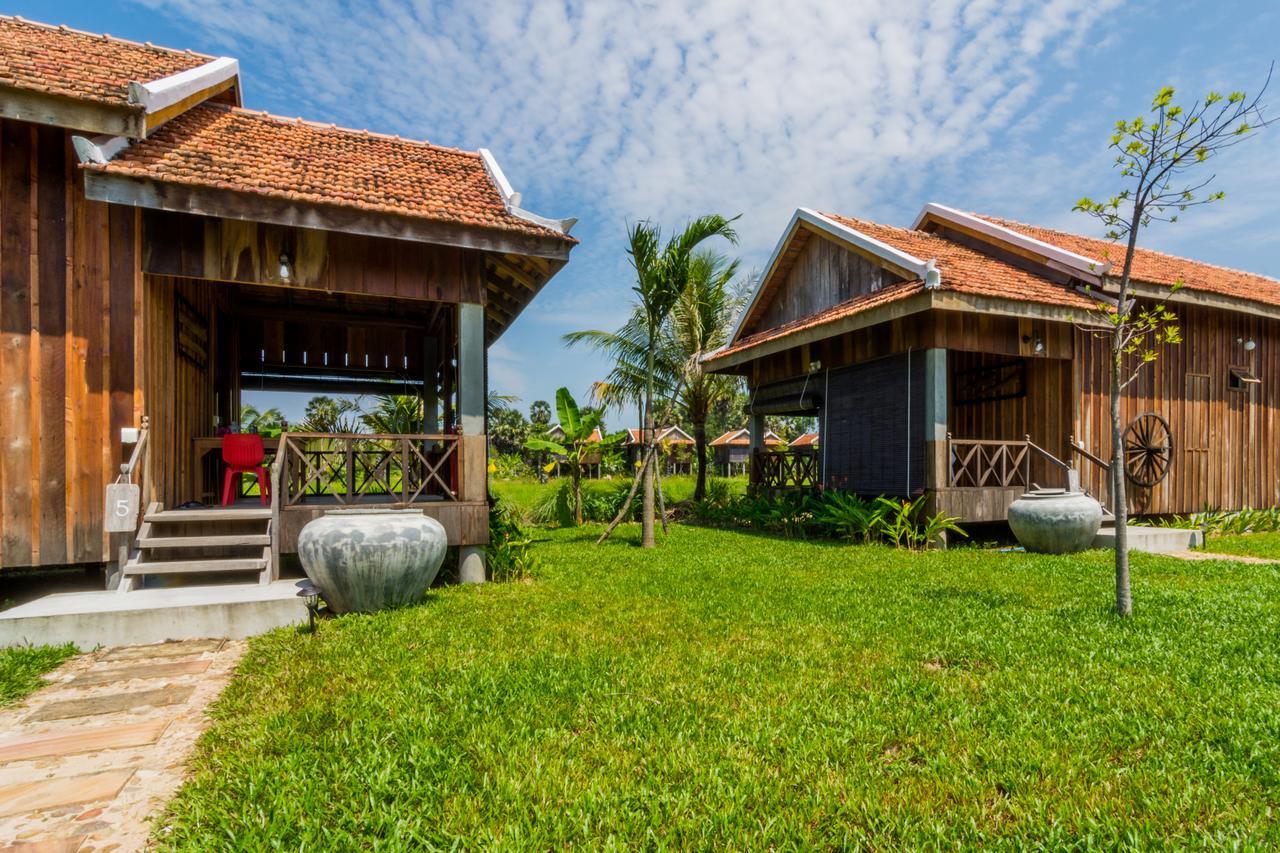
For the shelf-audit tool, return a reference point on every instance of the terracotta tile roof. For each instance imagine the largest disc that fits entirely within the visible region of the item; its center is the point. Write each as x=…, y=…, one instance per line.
x=967, y=270
x=72, y=64
x=741, y=438
x=229, y=148
x=809, y=439
x=663, y=433
x=1157, y=267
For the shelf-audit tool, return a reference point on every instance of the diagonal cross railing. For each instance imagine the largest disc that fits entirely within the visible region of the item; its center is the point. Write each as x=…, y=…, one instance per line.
x=353, y=468
x=985, y=463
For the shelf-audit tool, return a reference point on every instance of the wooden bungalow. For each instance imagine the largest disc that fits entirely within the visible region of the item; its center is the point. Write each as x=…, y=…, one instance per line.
x=164, y=249
x=592, y=462
x=731, y=452
x=675, y=447
x=955, y=358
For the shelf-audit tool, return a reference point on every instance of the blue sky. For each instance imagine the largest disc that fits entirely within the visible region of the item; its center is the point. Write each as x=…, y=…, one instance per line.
x=614, y=112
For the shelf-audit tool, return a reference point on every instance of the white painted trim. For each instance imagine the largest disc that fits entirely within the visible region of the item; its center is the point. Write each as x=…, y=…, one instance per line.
x=1059, y=259
x=99, y=149
x=511, y=198
x=843, y=232
x=167, y=91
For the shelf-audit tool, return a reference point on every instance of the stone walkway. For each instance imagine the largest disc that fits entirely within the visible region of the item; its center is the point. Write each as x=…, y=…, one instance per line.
x=88, y=760
x=1206, y=555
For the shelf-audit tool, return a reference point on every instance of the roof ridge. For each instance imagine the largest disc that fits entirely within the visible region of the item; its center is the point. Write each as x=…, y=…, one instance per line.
x=335, y=128
x=1000, y=220
x=104, y=36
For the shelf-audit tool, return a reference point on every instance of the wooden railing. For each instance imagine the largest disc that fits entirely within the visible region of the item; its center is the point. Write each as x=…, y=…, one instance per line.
x=362, y=469
x=774, y=470
x=986, y=463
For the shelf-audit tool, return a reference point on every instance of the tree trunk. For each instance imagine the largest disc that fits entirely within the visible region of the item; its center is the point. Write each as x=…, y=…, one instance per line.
x=646, y=511
x=627, y=504
x=700, y=444
x=576, y=473
x=647, y=539
x=1119, y=500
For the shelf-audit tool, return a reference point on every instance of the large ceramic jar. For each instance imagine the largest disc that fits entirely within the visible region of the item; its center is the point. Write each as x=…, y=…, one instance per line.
x=1055, y=521
x=368, y=559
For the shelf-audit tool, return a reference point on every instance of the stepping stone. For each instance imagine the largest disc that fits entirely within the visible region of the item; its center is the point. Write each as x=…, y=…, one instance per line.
x=50, y=845
x=158, y=650
x=85, y=740
x=66, y=791
x=113, y=703
x=141, y=670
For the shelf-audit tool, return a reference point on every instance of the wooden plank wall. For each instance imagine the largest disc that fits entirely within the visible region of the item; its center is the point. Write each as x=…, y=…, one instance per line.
x=178, y=244
x=1226, y=442
x=69, y=288
x=1044, y=412
x=823, y=274
x=179, y=393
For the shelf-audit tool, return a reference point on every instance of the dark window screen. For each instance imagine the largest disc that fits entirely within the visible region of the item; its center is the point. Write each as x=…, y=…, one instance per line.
x=873, y=429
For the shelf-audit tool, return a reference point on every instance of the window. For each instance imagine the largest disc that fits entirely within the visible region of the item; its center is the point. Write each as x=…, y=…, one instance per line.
x=1242, y=379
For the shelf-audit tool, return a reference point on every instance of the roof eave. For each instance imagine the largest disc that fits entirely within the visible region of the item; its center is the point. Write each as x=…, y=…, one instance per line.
x=102, y=185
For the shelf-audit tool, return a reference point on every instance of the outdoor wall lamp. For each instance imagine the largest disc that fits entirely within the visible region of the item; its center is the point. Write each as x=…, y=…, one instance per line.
x=286, y=266
x=1038, y=346
x=1249, y=345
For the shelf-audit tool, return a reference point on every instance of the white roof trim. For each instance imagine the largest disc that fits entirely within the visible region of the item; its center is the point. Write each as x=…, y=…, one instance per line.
x=99, y=149
x=1059, y=259
x=511, y=198
x=925, y=270
x=167, y=91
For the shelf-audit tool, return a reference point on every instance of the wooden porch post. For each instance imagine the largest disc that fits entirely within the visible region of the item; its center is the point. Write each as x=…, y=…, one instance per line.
x=935, y=418
x=757, y=429
x=471, y=403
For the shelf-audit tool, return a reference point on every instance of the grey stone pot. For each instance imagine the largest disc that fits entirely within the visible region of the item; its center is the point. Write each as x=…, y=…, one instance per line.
x=368, y=559
x=1055, y=521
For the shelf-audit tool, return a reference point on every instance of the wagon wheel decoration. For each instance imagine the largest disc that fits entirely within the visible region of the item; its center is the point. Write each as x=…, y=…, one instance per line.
x=1148, y=449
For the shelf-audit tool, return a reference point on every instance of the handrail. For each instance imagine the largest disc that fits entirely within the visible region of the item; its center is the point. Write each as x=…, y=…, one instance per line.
x=1077, y=448
x=127, y=469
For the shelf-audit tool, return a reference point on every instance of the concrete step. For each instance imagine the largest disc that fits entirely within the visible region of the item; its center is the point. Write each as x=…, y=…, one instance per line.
x=174, y=567
x=212, y=514
x=228, y=541
x=91, y=619
x=1154, y=540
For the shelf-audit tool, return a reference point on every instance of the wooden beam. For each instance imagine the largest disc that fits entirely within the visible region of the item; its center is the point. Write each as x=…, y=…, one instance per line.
x=86, y=116
x=252, y=207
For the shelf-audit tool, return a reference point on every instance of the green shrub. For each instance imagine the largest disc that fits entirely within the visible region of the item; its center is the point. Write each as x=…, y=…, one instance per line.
x=830, y=515
x=510, y=550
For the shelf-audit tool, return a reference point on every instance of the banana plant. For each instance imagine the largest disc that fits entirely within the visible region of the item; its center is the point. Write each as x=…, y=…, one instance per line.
x=576, y=446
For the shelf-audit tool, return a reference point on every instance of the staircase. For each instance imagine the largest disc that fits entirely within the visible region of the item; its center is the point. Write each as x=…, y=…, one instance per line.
x=204, y=541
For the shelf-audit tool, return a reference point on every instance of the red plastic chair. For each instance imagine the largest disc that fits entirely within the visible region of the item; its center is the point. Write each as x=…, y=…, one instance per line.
x=243, y=454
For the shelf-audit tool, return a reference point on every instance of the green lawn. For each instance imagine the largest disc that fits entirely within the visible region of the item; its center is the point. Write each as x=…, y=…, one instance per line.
x=1265, y=545
x=730, y=690
x=21, y=668
x=526, y=493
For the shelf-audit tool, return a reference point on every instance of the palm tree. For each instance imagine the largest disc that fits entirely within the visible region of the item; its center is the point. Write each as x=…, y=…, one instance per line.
x=699, y=322
x=662, y=275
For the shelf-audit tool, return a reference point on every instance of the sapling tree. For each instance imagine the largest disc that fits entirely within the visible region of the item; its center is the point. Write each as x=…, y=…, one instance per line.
x=1164, y=159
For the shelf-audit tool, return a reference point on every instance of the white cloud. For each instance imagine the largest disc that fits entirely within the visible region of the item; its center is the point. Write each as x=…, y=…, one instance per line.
x=661, y=108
